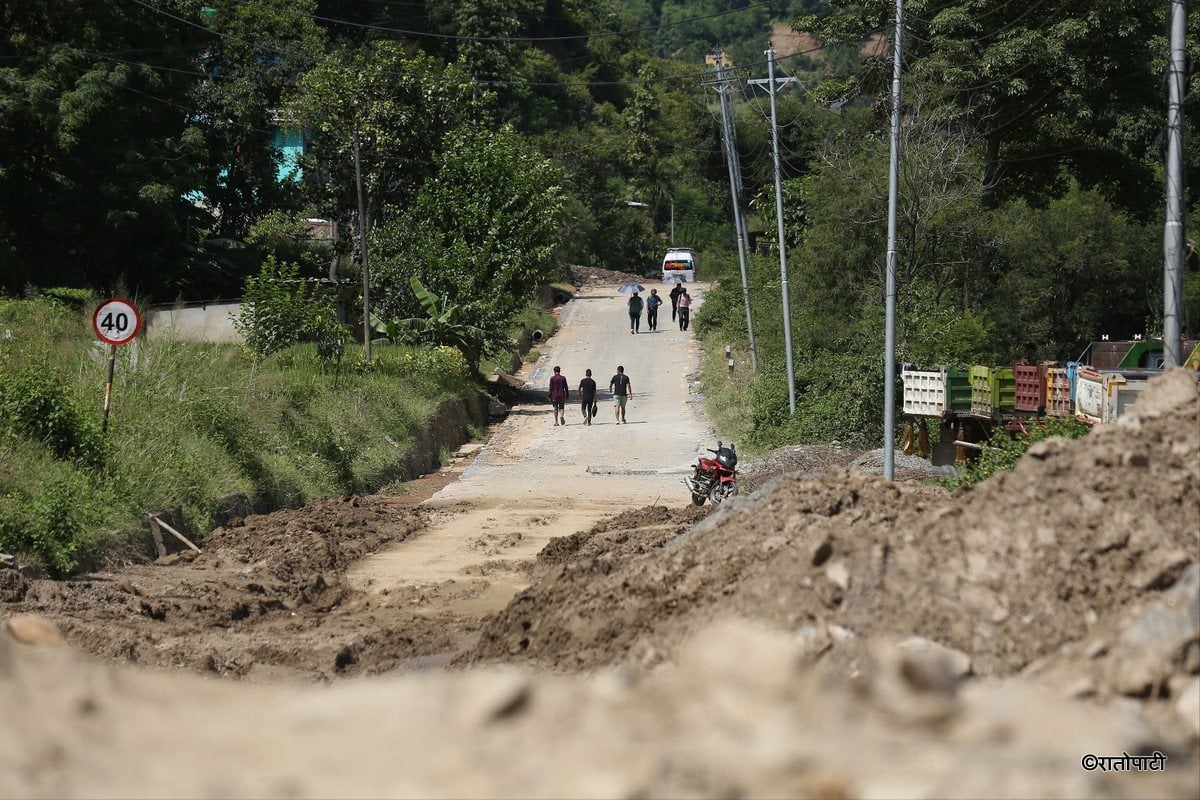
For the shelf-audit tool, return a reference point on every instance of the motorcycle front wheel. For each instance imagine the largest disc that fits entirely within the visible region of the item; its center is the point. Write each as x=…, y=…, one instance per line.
x=721, y=491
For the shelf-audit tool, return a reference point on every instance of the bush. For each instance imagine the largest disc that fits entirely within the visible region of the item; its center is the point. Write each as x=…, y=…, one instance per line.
x=54, y=522
x=1004, y=450
x=280, y=309
x=35, y=403
x=73, y=298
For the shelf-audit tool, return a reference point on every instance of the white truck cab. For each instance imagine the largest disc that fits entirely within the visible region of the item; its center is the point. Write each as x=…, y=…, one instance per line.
x=679, y=266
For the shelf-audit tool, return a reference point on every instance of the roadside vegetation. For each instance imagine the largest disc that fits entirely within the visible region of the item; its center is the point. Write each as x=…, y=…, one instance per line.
x=1003, y=450
x=205, y=429
x=499, y=142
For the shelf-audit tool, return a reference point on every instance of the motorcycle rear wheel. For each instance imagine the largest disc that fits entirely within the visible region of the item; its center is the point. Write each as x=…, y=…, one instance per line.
x=721, y=491
x=698, y=499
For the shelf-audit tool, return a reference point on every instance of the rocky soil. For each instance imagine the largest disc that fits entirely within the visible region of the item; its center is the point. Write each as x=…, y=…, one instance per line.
x=829, y=635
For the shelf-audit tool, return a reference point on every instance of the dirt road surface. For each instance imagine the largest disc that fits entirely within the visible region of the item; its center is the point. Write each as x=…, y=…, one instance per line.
x=534, y=480
x=830, y=635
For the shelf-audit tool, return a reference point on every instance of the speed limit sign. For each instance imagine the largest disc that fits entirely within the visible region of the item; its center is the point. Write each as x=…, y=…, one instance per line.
x=117, y=321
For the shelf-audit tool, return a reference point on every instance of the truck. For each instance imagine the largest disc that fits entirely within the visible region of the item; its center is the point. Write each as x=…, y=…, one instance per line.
x=1099, y=388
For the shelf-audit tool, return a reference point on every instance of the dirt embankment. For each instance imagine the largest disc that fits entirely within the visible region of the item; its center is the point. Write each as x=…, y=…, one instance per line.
x=264, y=600
x=765, y=650
x=1081, y=533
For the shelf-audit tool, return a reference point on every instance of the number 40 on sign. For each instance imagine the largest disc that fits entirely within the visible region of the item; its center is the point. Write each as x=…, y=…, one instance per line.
x=116, y=322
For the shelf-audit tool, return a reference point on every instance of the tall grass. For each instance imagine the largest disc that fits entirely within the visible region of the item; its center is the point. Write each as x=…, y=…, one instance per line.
x=200, y=428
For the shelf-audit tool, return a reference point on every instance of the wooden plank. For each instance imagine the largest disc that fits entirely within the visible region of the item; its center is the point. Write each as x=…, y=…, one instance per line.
x=156, y=534
x=174, y=532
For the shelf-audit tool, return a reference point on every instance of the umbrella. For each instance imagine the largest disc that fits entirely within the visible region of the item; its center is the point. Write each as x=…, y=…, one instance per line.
x=676, y=279
x=630, y=288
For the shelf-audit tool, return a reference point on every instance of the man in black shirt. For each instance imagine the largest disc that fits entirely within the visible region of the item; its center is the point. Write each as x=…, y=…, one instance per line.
x=678, y=290
x=622, y=390
x=587, y=396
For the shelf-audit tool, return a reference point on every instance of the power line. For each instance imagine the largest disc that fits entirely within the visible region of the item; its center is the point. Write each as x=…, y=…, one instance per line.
x=457, y=38
x=474, y=81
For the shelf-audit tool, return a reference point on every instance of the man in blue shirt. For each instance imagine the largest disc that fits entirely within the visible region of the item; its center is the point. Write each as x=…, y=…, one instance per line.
x=652, y=304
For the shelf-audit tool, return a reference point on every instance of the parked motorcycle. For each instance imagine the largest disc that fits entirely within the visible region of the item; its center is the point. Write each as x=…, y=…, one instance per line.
x=714, y=478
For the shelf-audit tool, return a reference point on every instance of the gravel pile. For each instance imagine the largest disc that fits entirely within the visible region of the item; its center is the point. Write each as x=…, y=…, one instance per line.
x=802, y=458
x=906, y=466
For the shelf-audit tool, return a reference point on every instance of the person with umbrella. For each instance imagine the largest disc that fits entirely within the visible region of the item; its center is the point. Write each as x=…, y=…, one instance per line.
x=635, y=313
x=678, y=290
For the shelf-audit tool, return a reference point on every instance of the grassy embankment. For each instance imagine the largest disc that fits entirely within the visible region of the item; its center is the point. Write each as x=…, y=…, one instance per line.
x=197, y=427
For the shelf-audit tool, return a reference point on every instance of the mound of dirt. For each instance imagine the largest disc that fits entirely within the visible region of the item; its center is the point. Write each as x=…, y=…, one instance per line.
x=265, y=599
x=1007, y=572
x=582, y=276
x=742, y=715
x=630, y=533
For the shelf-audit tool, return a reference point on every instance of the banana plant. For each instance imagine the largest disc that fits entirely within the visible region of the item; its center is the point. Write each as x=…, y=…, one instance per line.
x=439, y=326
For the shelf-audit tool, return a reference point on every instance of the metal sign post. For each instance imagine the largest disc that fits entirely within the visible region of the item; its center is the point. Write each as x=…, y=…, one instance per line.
x=116, y=322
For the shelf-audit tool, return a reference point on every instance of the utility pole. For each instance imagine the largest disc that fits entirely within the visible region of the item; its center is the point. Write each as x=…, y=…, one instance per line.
x=773, y=88
x=362, y=242
x=1173, y=230
x=889, y=346
x=729, y=148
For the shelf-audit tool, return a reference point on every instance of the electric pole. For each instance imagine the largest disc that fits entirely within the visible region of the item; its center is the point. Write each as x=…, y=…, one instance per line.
x=362, y=243
x=889, y=347
x=729, y=148
x=773, y=88
x=1173, y=230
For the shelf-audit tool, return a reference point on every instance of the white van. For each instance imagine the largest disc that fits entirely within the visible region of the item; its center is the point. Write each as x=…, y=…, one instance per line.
x=679, y=265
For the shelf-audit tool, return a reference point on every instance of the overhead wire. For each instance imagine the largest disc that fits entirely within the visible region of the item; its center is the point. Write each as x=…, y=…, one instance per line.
x=478, y=81
x=527, y=39
x=104, y=55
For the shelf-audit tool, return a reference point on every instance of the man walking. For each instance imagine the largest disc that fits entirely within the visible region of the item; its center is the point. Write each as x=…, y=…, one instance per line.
x=558, y=396
x=622, y=390
x=587, y=397
x=635, y=313
x=652, y=304
x=678, y=290
x=684, y=304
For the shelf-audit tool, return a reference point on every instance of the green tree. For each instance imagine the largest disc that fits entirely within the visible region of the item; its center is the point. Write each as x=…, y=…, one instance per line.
x=250, y=69
x=483, y=234
x=399, y=106
x=1041, y=84
x=97, y=153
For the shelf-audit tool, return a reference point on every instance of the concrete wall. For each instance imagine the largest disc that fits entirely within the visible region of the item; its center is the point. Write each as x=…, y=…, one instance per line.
x=210, y=322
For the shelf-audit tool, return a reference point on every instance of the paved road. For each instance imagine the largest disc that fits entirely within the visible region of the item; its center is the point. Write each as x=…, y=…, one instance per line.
x=534, y=480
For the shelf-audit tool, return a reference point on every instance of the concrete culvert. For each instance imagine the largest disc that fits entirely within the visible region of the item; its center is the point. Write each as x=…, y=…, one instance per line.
x=560, y=298
x=537, y=336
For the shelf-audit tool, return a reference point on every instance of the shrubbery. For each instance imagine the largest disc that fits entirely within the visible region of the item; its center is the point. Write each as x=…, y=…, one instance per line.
x=198, y=428
x=280, y=309
x=1003, y=450
x=35, y=403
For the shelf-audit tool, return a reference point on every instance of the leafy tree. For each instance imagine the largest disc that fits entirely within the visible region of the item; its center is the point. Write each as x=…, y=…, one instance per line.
x=482, y=234
x=97, y=154
x=398, y=105
x=1070, y=272
x=262, y=50
x=1040, y=84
